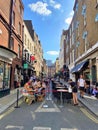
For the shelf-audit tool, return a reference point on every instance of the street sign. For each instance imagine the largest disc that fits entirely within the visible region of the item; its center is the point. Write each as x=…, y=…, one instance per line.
x=25, y=66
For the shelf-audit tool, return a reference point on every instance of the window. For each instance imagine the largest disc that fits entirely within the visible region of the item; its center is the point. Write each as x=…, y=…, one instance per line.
x=85, y=40
x=28, y=43
x=18, y=51
x=84, y=34
x=96, y=18
x=20, y=9
x=25, y=39
x=77, y=44
x=86, y=43
x=84, y=10
x=78, y=31
x=77, y=6
x=96, y=4
x=77, y=24
x=70, y=57
x=85, y=21
x=13, y=18
x=19, y=28
x=4, y=75
x=12, y=43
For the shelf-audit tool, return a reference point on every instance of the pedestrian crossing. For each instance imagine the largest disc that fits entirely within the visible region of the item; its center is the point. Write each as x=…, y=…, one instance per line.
x=48, y=128
x=12, y=127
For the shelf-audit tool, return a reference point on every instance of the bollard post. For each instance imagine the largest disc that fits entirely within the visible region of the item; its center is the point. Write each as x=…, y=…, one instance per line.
x=17, y=106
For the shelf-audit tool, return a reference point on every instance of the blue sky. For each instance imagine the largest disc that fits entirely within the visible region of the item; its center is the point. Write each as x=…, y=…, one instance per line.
x=49, y=18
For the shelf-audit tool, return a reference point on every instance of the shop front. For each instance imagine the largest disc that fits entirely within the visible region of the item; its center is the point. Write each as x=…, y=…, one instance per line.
x=6, y=57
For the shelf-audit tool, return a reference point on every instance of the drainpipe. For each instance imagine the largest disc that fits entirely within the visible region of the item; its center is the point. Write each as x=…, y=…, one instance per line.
x=10, y=22
x=10, y=32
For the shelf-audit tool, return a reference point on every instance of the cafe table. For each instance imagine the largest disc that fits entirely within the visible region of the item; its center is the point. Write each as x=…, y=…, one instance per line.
x=61, y=98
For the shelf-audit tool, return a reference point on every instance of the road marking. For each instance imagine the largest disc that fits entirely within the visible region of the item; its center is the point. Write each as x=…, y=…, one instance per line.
x=69, y=129
x=11, y=127
x=11, y=109
x=41, y=109
x=41, y=128
x=89, y=115
x=6, y=113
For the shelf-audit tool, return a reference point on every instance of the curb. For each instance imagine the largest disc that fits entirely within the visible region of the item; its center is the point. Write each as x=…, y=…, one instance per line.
x=4, y=108
x=88, y=107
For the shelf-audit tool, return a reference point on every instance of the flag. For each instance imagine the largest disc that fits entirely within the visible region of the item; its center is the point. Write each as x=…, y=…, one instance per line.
x=32, y=58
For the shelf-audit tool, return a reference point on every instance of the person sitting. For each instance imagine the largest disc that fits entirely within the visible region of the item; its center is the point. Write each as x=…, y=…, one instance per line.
x=95, y=91
x=28, y=88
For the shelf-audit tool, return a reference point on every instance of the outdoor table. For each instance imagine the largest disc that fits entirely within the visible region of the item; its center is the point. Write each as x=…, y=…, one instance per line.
x=61, y=91
x=61, y=87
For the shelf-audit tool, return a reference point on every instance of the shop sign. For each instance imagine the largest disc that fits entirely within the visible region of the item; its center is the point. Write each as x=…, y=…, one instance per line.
x=25, y=66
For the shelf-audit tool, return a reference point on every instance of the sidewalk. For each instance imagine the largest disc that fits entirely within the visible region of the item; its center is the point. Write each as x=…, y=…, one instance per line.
x=7, y=101
x=89, y=101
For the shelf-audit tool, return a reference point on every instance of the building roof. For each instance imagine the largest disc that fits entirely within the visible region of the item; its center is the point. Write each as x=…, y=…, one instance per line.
x=29, y=26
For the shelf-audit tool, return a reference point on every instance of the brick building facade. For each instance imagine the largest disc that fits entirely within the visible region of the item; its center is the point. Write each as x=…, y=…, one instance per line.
x=11, y=44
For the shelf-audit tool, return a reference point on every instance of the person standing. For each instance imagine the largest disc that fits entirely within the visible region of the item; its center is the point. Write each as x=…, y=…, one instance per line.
x=74, y=91
x=81, y=85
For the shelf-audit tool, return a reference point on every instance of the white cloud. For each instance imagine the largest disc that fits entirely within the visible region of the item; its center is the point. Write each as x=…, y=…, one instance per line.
x=71, y=13
x=52, y=1
x=40, y=8
x=69, y=19
x=55, y=5
x=53, y=52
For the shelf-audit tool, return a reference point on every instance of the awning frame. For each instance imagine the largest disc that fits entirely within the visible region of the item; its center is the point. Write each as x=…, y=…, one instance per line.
x=79, y=66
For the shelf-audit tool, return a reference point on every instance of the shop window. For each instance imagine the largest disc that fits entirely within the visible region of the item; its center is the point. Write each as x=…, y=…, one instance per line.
x=7, y=76
x=1, y=74
x=4, y=75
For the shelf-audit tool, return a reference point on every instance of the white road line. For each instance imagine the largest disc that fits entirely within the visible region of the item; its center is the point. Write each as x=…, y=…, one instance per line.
x=68, y=129
x=41, y=128
x=41, y=109
x=11, y=127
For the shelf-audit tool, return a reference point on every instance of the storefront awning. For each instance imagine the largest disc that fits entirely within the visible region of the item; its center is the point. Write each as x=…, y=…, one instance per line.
x=80, y=66
x=6, y=53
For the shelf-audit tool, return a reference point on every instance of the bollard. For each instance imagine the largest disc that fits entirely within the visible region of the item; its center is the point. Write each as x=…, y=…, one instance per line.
x=17, y=106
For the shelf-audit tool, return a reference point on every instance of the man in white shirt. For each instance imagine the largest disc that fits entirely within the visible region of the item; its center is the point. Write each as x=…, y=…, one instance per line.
x=81, y=85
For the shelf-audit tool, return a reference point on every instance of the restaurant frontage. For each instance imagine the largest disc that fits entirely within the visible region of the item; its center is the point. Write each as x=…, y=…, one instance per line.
x=6, y=57
x=88, y=66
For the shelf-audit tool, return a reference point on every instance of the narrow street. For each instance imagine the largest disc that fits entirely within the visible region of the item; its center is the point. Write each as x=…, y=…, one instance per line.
x=47, y=115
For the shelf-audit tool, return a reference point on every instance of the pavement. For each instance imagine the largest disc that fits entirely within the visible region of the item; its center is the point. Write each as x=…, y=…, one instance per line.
x=89, y=101
x=7, y=101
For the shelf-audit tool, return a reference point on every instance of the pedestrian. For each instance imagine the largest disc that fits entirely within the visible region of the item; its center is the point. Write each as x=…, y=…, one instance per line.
x=81, y=85
x=74, y=91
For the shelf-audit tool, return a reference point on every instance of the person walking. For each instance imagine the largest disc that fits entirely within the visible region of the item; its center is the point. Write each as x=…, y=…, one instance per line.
x=74, y=91
x=81, y=85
